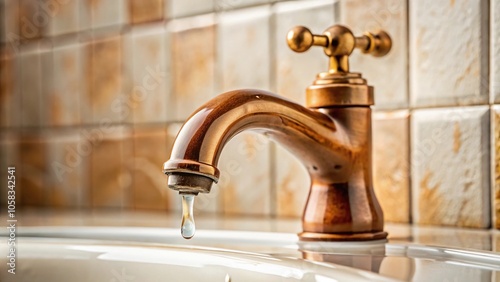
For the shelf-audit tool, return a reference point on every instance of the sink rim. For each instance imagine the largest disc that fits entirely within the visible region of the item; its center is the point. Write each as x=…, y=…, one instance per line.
x=289, y=242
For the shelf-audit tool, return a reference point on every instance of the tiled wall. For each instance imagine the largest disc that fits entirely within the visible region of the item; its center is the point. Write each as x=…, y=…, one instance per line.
x=93, y=93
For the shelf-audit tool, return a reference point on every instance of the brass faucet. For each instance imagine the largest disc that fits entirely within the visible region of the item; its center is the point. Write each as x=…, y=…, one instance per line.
x=331, y=137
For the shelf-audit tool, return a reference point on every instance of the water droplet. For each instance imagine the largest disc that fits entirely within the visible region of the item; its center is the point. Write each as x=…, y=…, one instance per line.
x=187, y=226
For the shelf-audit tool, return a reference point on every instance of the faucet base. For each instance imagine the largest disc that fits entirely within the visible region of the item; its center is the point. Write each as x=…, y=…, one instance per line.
x=368, y=236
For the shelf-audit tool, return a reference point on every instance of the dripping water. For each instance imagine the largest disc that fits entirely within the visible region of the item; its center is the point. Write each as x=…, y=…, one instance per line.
x=187, y=225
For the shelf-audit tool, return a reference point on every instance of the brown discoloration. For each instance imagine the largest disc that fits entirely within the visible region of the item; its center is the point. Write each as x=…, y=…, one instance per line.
x=56, y=109
x=391, y=178
x=94, y=4
x=110, y=176
x=151, y=145
x=69, y=63
x=457, y=138
x=6, y=76
x=452, y=3
x=104, y=73
x=154, y=49
x=32, y=171
x=431, y=201
x=193, y=61
x=7, y=80
x=434, y=205
x=28, y=25
x=230, y=199
x=496, y=202
x=286, y=195
x=145, y=10
x=69, y=171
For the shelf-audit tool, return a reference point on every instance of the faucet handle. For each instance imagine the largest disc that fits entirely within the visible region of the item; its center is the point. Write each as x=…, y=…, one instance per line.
x=338, y=42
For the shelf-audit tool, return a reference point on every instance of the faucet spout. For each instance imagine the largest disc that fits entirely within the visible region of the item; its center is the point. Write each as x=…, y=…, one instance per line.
x=310, y=135
x=333, y=143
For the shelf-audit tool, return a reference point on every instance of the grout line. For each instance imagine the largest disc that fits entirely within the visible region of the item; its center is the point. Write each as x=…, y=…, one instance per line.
x=410, y=115
x=273, y=85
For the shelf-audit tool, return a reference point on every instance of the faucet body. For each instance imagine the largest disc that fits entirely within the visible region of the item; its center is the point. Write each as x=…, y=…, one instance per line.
x=333, y=143
x=331, y=137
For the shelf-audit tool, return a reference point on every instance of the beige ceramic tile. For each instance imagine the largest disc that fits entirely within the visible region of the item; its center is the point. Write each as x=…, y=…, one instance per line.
x=450, y=167
x=246, y=64
x=193, y=63
x=388, y=74
x=103, y=70
x=495, y=50
x=152, y=145
x=110, y=161
x=34, y=65
x=32, y=170
x=182, y=8
x=296, y=71
x=245, y=183
x=391, y=164
x=142, y=11
x=67, y=86
x=98, y=14
x=495, y=150
x=292, y=184
x=448, y=52
x=68, y=169
x=10, y=95
x=61, y=16
x=149, y=97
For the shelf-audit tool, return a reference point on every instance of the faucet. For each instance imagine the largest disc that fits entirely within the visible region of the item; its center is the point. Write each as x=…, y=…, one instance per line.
x=331, y=137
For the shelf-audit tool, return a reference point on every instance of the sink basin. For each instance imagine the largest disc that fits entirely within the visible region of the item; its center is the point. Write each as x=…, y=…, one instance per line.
x=91, y=260
x=153, y=254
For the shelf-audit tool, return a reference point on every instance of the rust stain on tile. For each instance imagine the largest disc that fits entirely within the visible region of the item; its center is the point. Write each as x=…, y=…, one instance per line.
x=391, y=166
x=496, y=202
x=94, y=4
x=154, y=49
x=145, y=10
x=230, y=199
x=56, y=109
x=28, y=12
x=457, y=138
x=69, y=63
x=193, y=61
x=7, y=80
x=110, y=172
x=33, y=170
x=149, y=190
x=430, y=200
x=286, y=195
x=104, y=74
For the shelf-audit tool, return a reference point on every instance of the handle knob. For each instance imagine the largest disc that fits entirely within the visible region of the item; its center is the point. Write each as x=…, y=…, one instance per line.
x=338, y=42
x=300, y=39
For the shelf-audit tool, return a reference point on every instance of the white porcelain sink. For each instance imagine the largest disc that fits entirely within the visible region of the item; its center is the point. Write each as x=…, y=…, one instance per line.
x=81, y=260
x=160, y=254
